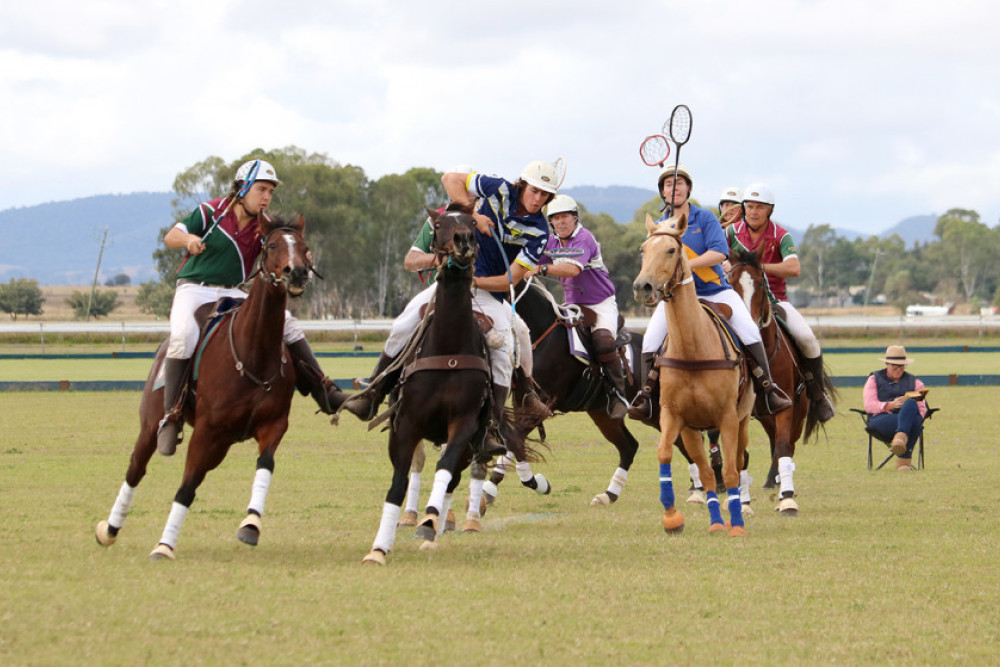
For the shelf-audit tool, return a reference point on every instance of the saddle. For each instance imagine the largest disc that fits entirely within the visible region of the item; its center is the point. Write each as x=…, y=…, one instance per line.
x=485, y=321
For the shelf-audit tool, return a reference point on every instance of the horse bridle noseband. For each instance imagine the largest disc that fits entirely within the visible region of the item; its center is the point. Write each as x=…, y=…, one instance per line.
x=445, y=258
x=677, y=279
x=268, y=276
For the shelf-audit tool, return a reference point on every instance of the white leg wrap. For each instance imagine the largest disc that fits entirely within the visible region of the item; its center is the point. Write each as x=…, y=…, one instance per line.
x=745, y=481
x=524, y=471
x=386, y=535
x=441, y=480
x=122, y=505
x=618, y=481
x=475, y=497
x=503, y=462
x=695, y=475
x=448, y=498
x=261, y=482
x=173, y=528
x=786, y=466
x=413, y=492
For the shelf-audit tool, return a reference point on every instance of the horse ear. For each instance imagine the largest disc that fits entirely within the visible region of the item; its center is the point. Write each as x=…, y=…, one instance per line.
x=300, y=224
x=433, y=215
x=650, y=225
x=681, y=225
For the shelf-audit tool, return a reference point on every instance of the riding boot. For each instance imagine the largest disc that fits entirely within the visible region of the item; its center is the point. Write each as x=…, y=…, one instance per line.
x=611, y=365
x=364, y=405
x=493, y=444
x=169, y=433
x=642, y=404
x=526, y=396
x=813, y=371
x=775, y=400
x=310, y=379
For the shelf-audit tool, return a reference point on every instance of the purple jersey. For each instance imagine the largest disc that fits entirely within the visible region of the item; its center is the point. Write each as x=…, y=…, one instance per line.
x=592, y=285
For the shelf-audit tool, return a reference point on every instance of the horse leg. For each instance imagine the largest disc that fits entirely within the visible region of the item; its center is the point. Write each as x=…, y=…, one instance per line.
x=740, y=442
x=783, y=452
x=616, y=433
x=715, y=456
x=536, y=483
x=490, y=487
x=673, y=520
x=410, y=515
x=475, y=506
x=693, y=441
x=731, y=458
x=401, y=455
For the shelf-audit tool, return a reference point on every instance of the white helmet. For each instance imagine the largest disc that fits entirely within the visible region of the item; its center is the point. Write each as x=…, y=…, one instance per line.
x=668, y=171
x=758, y=192
x=257, y=170
x=562, y=204
x=542, y=175
x=734, y=195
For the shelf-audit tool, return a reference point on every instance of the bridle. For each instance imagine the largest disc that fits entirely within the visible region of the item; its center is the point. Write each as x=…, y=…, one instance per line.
x=446, y=258
x=269, y=276
x=677, y=278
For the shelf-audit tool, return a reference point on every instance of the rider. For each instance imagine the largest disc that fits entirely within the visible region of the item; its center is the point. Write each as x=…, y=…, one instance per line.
x=573, y=256
x=512, y=211
x=730, y=206
x=705, y=245
x=223, y=240
x=780, y=260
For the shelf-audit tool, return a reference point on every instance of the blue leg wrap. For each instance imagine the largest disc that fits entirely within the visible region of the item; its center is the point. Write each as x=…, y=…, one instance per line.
x=666, y=487
x=735, y=508
x=714, y=510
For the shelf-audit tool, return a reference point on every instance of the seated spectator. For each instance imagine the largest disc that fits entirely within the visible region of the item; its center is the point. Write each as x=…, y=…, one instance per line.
x=896, y=402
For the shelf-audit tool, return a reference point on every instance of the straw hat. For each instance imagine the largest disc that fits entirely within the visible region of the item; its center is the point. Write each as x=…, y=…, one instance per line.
x=896, y=354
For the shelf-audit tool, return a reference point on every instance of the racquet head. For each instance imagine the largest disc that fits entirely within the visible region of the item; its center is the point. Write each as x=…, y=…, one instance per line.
x=654, y=150
x=560, y=167
x=679, y=125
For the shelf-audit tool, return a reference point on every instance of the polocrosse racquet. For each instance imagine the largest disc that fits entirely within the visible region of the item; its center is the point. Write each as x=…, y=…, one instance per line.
x=679, y=129
x=654, y=150
x=560, y=166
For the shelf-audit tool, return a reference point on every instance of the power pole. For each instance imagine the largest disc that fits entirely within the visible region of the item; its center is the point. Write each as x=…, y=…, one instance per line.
x=97, y=271
x=871, y=277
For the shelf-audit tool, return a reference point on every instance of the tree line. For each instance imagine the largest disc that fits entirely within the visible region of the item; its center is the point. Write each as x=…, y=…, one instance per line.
x=359, y=229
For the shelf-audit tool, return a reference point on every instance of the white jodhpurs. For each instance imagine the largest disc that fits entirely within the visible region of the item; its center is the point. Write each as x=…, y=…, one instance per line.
x=803, y=335
x=184, y=330
x=741, y=321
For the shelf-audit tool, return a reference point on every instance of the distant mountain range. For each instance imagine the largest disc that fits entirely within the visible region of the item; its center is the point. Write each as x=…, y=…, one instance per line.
x=59, y=242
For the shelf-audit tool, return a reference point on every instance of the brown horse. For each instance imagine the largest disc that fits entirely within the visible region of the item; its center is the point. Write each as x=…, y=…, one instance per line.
x=244, y=388
x=703, y=378
x=785, y=428
x=444, y=393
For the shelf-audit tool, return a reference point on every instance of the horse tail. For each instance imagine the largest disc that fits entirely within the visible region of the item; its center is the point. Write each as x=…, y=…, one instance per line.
x=515, y=427
x=812, y=421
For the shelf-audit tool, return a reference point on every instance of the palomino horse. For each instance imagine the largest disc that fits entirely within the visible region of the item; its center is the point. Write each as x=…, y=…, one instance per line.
x=703, y=379
x=784, y=428
x=568, y=385
x=244, y=388
x=444, y=393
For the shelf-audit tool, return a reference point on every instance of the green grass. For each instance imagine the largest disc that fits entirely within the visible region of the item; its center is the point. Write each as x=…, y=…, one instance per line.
x=878, y=568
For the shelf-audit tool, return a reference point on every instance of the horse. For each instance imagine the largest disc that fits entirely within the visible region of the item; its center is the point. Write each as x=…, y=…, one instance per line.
x=703, y=382
x=444, y=392
x=785, y=428
x=568, y=385
x=244, y=388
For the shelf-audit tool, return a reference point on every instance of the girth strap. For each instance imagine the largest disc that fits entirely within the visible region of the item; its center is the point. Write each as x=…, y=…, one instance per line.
x=454, y=362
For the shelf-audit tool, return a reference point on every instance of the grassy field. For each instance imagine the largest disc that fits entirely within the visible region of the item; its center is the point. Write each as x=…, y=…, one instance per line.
x=879, y=567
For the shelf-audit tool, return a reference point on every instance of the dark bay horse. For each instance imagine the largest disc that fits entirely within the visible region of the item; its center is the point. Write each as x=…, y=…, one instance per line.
x=703, y=381
x=785, y=428
x=571, y=386
x=444, y=393
x=243, y=389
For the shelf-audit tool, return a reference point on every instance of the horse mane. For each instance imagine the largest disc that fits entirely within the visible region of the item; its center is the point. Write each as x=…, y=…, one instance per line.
x=747, y=257
x=456, y=207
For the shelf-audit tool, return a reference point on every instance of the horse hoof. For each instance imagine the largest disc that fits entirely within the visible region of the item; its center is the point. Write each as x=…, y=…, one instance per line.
x=449, y=522
x=409, y=518
x=482, y=505
x=543, y=487
x=747, y=510
x=428, y=546
x=738, y=531
x=162, y=552
x=249, y=531
x=428, y=529
x=472, y=526
x=103, y=534
x=716, y=528
x=490, y=492
x=788, y=507
x=601, y=500
x=698, y=497
x=374, y=557
x=673, y=523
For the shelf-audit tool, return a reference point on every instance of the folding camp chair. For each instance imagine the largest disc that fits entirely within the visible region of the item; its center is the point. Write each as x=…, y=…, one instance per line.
x=873, y=435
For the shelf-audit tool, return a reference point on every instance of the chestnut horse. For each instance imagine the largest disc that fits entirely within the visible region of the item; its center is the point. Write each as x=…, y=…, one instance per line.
x=703, y=381
x=244, y=388
x=785, y=428
x=444, y=393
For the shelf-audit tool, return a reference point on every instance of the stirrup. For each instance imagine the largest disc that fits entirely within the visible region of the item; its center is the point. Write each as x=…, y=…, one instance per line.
x=641, y=407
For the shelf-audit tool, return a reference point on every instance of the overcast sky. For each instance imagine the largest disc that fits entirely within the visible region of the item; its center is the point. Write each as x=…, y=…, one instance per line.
x=857, y=113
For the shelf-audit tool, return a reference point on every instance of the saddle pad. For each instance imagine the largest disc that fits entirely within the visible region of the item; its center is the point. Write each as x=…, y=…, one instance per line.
x=577, y=348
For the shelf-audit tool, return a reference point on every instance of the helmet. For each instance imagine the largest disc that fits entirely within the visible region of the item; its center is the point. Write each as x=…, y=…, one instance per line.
x=668, y=171
x=542, y=175
x=731, y=194
x=257, y=170
x=561, y=204
x=758, y=192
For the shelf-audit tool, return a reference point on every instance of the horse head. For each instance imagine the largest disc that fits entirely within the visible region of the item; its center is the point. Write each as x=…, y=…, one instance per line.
x=284, y=261
x=454, y=240
x=664, y=263
x=750, y=282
